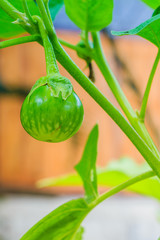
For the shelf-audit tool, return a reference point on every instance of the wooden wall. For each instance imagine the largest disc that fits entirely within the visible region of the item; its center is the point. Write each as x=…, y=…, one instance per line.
x=24, y=160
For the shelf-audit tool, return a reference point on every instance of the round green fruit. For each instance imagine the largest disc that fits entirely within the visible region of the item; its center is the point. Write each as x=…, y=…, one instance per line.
x=51, y=118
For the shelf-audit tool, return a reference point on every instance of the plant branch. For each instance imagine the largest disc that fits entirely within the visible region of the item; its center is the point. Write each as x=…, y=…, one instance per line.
x=16, y=15
x=28, y=14
x=106, y=105
x=46, y=19
x=129, y=80
x=67, y=44
x=20, y=40
x=119, y=95
x=123, y=186
x=148, y=87
x=51, y=64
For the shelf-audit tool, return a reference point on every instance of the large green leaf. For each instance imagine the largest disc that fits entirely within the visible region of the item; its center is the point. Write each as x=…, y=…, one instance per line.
x=7, y=27
x=152, y=3
x=86, y=168
x=115, y=173
x=90, y=15
x=61, y=224
x=149, y=30
x=54, y=7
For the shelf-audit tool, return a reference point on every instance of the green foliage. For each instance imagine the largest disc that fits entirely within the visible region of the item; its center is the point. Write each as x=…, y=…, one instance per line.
x=7, y=27
x=90, y=15
x=54, y=7
x=63, y=223
x=115, y=173
x=86, y=168
x=152, y=3
x=156, y=11
x=150, y=30
x=79, y=234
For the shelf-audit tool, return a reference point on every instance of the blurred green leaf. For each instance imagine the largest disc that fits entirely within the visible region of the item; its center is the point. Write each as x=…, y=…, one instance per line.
x=86, y=168
x=79, y=234
x=115, y=173
x=61, y=224
x=156, y=11
x=7, y=27
x=152, y=3
x=54, y=7
x=150, y=30
x=90, y=15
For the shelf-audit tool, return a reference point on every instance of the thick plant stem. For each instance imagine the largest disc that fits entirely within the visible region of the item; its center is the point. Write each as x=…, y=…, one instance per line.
x=123, y=186
x=148, y=87
x=119, y=95
x=21, y=40
x=51, y=64
x=107, y=106
x=45, y=17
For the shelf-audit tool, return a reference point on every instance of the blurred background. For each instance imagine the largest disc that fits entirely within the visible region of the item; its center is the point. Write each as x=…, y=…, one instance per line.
x=24, y=160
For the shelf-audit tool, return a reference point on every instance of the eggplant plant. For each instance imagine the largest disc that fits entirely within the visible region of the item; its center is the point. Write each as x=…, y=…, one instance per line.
x=52, y=111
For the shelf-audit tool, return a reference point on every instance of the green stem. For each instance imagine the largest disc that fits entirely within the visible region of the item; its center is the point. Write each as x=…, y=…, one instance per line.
x=15, y=14
x=51, y=64
x=67, y=44
x=148, y=87
x=20, y=40
x=106, y=105
x=46, y=3
x=123, y=186
x=118, y=93
x=28, y=14
x=46, y=19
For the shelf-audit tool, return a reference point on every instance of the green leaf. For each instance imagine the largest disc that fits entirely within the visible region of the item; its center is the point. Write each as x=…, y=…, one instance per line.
x=115, y=173
x=61, y=224
x=150, y=30
x=86, y=168
x=79, y=234
x=90, y=15
x=152, y=3
x=54, y=7
x=156, y=11
x=7, y=27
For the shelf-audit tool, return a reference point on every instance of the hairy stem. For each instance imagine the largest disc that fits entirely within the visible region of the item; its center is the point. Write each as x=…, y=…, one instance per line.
x=119, y=95
x=123, y=186
x=148, y=87
x=21, y=40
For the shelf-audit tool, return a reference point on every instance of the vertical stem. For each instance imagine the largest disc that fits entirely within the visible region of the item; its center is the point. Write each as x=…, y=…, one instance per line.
x=51, y=64
x=148, y=87
x=118, y=93
x=45, y=17
x=11, y=10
